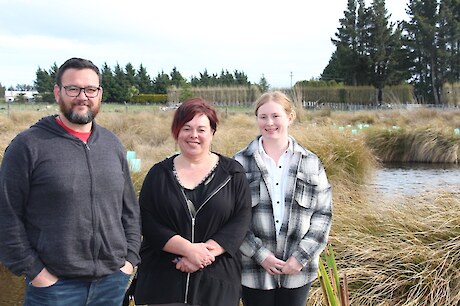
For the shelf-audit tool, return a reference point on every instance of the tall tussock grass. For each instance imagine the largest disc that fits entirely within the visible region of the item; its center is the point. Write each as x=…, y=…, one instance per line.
x=405, y=253
x=347, y=160
x=146, y=133
x=234, y=133
x=149, y=127
x=425, y=145
x=395, y=251
x=11, y=125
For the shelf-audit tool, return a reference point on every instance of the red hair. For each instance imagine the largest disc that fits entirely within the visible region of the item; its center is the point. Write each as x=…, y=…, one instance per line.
x=188, y=109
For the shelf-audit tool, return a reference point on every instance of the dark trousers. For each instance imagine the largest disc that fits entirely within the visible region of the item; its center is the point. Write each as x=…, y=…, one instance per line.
x=276, y=297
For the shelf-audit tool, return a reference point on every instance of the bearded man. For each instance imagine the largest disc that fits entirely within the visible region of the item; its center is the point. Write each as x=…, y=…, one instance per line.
x=69, y=216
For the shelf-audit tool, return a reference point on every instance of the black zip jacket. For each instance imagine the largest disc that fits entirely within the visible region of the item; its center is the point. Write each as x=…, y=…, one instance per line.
x=224, y=216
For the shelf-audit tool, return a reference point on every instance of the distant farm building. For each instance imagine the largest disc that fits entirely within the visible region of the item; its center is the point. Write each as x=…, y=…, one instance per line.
x=23, y=96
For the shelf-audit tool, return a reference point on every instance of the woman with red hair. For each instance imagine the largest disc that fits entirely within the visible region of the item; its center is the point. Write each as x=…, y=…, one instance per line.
x=196, y=210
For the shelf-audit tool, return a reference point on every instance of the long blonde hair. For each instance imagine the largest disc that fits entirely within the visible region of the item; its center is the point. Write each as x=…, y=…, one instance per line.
x=277, y=97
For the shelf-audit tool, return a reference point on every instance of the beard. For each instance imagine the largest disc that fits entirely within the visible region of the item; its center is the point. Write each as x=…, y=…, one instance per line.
x=76, y=118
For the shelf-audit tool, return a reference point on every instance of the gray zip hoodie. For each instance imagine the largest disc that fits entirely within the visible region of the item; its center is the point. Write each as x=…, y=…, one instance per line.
x=66, y=205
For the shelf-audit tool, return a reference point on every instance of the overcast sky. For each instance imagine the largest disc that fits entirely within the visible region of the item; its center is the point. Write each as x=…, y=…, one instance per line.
x=286, y=41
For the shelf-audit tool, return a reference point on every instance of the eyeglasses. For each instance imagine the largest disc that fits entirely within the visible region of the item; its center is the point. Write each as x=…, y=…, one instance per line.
x=74, y=91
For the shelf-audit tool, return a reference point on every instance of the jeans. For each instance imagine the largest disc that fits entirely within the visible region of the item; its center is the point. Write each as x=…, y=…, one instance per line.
x=105, y=291
x=276, y=297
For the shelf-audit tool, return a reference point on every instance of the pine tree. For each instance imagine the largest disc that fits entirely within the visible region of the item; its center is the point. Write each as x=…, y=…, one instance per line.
x=161, y=83
x=345, y=56
x=44, y=82
x=381, y=47
x=399, y=67
x=2, y=91
x=241, y=78
x=421, y=36
x=108, y=83
x=226, y=78
x=176, y=78
x=263, y=84
x=449, y=40
x=205, y=79
x=130, y=74
x=143, y=81
x=53, y=72
x=121, y=85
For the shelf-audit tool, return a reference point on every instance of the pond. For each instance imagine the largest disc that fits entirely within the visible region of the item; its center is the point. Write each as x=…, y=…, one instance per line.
x=413, y=179
x=392, y=180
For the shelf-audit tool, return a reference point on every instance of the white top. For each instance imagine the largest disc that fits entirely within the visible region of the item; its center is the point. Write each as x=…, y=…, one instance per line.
x=278, y=174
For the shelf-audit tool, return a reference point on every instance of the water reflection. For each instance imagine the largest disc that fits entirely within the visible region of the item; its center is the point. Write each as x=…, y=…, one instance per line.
x=413, y=179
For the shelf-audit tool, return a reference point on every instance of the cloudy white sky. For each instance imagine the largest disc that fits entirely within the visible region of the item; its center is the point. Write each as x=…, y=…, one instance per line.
x=276, y=39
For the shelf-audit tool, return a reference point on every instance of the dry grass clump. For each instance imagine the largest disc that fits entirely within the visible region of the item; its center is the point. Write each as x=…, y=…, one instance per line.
x=318, y=118
x=363, y=117
x=234, y=133
x=346, y=159
x=146, y=127
x=146, y=133
x=16, y=122
x=452, y=117
x=400, y=253
x=417, y=117
x=24, y=119
x=404, y=118
x=237, y=120
x=6, y=124
x=421, y=116
x=425, y=145
x=12, y=288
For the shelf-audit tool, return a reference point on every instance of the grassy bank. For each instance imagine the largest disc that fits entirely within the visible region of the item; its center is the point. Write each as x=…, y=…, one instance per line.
x=424, y=145
x=395, y=252
x=405, y=253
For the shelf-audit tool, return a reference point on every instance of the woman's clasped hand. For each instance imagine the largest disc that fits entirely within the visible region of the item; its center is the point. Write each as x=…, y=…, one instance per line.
x=198, y=257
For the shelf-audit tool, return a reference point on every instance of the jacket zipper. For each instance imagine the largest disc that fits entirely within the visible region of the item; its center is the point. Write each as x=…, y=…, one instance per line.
x=187, y=285
x=93, y=209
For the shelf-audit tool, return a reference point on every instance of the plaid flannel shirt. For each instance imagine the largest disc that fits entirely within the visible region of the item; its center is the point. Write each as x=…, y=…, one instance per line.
x=306, y=224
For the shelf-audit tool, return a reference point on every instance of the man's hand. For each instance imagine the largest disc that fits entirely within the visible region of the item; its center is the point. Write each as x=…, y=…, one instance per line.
x=127, y=268
x=44, y=279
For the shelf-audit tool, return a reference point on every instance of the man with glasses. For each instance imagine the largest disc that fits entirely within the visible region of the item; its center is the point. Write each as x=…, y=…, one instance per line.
x=69, y=217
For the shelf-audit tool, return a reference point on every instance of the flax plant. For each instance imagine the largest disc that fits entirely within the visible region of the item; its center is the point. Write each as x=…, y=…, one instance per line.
x=334, y=292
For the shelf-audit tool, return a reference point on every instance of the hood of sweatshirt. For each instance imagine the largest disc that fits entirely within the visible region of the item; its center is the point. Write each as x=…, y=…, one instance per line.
x=50, y=124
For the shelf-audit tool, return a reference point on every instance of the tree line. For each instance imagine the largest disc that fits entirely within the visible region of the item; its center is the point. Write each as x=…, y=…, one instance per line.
x=422, y=51
x=122, y=83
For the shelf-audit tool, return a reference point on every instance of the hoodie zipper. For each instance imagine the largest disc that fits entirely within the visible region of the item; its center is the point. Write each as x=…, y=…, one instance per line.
x=94, y=222
x=193, y=216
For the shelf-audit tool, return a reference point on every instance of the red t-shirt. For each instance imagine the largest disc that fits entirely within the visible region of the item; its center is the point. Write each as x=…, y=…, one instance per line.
x=82, y=136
